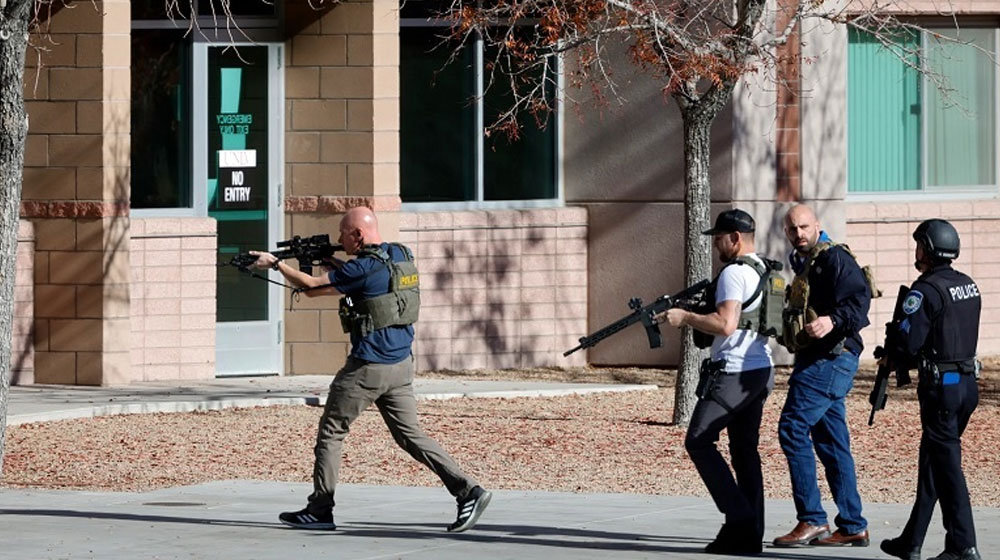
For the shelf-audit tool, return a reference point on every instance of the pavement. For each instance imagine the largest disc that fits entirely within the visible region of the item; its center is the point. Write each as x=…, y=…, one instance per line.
x=43, y=403
x=238, y=518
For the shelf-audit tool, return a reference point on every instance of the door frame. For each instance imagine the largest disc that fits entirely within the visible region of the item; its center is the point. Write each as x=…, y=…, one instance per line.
x=267, y=354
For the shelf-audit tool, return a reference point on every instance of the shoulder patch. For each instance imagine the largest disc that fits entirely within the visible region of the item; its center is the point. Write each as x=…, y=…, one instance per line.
x=912, y=302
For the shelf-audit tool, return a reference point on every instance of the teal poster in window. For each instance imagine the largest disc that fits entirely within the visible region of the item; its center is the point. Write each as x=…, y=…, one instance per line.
x=238, y=172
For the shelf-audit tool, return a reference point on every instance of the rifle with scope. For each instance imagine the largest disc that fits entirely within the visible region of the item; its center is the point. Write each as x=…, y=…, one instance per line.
x=310, y=251
x=690, y=298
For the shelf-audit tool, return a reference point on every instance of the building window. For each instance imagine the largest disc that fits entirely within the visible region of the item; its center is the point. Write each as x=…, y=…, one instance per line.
x=444, y=157
x=907, y=134
x=161, y=137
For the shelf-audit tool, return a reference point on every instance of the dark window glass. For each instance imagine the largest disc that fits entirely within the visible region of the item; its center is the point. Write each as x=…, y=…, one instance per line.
x=437, y=120
x=237, y=7
x=157, y=9
x=161, y=173
x=428, y=10
x=523, y=168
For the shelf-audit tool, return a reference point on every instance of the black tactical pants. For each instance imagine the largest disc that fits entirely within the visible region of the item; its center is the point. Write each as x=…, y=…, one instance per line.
x=736, y=404
x=944, y=413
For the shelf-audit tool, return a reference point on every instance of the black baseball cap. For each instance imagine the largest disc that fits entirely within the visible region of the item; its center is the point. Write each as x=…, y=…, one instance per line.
x=730, y=221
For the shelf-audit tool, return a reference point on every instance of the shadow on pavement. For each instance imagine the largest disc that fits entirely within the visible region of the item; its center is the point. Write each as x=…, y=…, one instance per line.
x=531, y=535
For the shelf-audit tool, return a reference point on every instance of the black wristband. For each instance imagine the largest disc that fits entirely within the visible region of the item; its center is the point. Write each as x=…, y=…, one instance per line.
x=275, y=265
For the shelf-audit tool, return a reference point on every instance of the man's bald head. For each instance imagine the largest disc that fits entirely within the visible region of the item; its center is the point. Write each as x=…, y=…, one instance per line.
x=800, y=213
x=358, y=228
x=361, y=217
x=802, y=228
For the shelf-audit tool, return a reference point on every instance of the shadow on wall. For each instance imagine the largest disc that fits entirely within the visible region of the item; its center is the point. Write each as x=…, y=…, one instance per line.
x=488, y=304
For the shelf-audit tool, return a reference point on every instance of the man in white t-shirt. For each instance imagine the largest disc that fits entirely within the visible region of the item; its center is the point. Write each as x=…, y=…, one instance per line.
x=734, y=383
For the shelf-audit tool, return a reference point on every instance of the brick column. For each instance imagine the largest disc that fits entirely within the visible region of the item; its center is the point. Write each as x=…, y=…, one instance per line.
x=76, y=190
x=342, y=149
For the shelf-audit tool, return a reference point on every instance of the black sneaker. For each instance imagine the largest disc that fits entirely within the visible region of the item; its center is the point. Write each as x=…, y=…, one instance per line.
x=305, y=519
x=470, y=509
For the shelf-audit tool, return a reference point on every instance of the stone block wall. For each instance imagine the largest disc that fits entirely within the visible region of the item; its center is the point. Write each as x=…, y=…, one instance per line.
x=880, y=234
x=22, y=359
x=499, y=289
x=81, y=300
x=342, y=110
x=341, y=151
x=76, y=183
x=173, y=266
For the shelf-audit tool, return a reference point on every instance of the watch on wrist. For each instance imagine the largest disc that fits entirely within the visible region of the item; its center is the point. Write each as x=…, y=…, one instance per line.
x=275, y=265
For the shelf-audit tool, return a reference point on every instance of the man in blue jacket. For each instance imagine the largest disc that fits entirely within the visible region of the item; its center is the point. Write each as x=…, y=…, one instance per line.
x=835, y=297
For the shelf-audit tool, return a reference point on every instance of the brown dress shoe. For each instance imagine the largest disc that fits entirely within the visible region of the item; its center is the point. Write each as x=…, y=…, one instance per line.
x=841, y=538
x=803, y=534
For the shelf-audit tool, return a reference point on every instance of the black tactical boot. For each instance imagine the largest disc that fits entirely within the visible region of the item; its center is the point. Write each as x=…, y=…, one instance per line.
x=896, y=547
x=968, y=554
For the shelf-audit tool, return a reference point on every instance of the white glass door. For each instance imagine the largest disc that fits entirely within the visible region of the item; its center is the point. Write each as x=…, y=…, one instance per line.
x=238, y=153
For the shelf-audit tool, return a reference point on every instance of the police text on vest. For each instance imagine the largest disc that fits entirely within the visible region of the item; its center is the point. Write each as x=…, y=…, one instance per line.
x=967, y=291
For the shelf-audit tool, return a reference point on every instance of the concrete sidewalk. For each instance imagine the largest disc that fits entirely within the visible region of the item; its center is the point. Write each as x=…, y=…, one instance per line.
x=238, y=519
x=42, y=403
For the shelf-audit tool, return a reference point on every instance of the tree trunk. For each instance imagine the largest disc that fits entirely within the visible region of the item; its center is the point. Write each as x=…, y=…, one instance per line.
x=697, y=255
x=13, y=131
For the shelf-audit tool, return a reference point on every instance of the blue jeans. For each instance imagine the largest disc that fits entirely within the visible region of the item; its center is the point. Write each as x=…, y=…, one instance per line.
x=815, y=407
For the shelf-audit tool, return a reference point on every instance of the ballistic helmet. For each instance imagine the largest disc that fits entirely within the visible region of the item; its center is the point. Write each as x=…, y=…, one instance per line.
x=938, y=238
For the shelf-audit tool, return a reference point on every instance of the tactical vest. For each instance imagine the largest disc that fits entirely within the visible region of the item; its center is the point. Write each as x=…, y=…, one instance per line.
x=399, y=307
x=797, y=313
x=954, y=329
x=766, y=319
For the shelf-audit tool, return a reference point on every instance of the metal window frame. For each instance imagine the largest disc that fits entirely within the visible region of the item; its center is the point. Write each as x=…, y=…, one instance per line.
x=945, y=193
x=480, y=203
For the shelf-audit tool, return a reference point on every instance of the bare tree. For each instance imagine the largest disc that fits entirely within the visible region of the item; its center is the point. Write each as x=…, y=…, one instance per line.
x=15, y=19
x=698, y=51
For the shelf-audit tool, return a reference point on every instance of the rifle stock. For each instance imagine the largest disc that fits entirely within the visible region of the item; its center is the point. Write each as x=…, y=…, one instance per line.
x=686, y=298
x=888, y=361
x=879, y=395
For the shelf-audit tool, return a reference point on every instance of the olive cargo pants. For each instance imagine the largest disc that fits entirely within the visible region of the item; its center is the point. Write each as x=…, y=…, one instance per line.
x=390, y=386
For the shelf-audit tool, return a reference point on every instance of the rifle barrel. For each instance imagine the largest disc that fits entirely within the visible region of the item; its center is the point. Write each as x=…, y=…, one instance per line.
x=640, y=314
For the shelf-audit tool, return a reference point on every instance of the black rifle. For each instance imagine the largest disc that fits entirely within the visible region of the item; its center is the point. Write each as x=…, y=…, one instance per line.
x=688, y=298
x=889, y=360
x=309, y=251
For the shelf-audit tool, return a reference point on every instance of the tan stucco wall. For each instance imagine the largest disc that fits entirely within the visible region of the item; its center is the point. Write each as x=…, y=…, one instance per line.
x=499, y=288
x=880, y=234
x=172, y=308
x=942, y=8
x=625, y=165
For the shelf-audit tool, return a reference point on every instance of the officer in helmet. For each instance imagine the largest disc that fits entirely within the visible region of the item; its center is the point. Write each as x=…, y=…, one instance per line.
x=939, y=331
